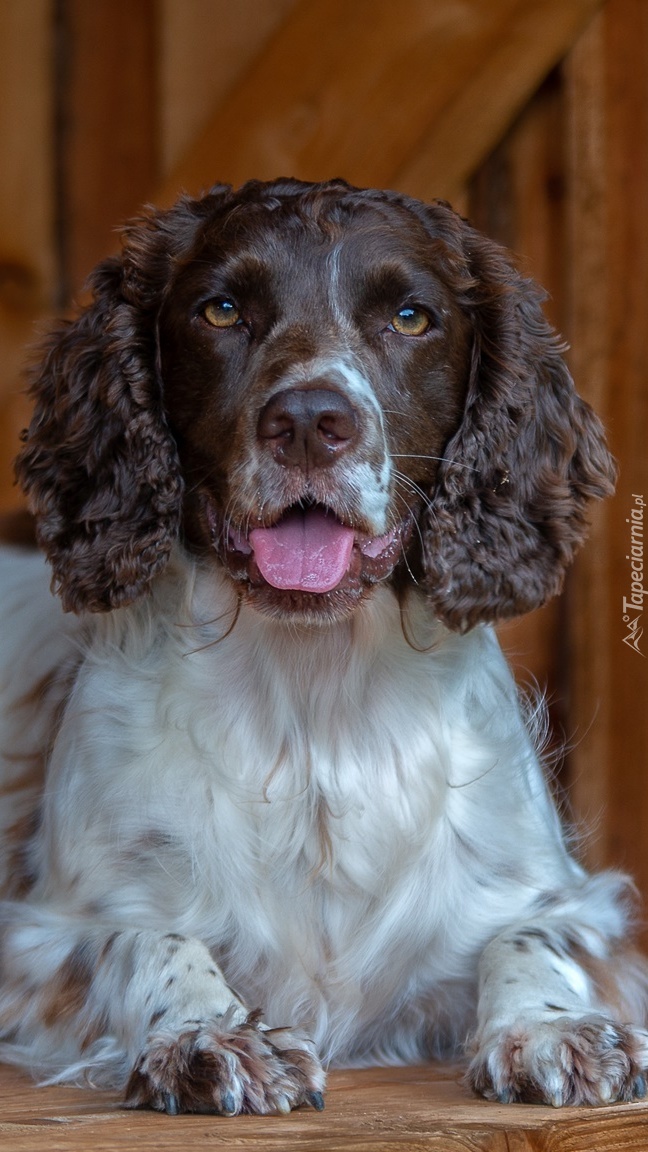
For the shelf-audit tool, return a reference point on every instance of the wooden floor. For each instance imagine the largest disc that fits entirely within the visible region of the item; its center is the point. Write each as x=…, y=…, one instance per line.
x=379, y=1110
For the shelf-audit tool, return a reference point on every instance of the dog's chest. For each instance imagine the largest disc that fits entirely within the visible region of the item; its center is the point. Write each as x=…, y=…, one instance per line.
x=320, y=754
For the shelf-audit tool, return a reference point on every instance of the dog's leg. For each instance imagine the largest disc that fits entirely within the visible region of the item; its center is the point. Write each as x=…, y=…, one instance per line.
x=555, y=999
x=148, y=1009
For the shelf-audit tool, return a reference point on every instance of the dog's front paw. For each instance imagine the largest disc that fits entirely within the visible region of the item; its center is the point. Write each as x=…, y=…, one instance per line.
x=590, y=1060
x=210, y=1067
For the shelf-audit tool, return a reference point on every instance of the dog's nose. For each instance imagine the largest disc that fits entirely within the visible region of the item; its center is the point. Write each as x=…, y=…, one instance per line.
x=308, y=427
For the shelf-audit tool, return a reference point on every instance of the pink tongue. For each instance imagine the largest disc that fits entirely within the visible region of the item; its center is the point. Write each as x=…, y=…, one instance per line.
x=307, y=550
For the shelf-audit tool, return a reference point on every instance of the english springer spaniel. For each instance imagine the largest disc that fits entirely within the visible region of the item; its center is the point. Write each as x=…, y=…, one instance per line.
x=269, y=797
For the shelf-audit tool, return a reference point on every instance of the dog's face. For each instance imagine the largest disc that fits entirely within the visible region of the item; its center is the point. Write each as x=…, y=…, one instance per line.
x=317, y=387
x=315, y=366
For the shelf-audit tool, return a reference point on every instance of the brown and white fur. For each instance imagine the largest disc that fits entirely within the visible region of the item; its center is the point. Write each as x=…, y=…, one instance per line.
x=254, y=820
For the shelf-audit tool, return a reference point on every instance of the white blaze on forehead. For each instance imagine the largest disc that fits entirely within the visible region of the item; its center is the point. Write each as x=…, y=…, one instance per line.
x=341, y=315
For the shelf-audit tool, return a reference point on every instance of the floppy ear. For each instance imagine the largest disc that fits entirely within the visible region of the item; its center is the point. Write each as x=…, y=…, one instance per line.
x=99, y=465
x=509, y=509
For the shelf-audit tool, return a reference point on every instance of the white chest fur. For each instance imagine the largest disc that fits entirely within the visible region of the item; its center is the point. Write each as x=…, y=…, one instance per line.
x=344, y=816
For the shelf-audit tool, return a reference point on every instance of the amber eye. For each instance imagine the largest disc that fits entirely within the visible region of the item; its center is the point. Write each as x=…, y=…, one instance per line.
x=410, y=322
x=221, y=313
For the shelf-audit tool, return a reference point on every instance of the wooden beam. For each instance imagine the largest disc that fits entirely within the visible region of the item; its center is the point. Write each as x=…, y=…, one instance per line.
x=26, y=180
x=516, y=197
x=588, y=589
x=608, y=266
x=108, y=160
x=203, y=48
x=536, y=37
x=342, y=89
x=27, y=249
x=364, y=90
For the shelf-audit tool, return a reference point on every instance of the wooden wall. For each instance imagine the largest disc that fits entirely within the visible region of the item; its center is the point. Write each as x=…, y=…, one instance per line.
x=531, y=115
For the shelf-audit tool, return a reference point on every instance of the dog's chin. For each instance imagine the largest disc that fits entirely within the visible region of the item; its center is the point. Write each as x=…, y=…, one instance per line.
x=308, y=608
x=349, y=577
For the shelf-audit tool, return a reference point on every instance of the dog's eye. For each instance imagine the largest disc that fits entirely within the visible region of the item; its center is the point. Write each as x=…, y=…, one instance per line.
x=222, y=313
x=410, y=322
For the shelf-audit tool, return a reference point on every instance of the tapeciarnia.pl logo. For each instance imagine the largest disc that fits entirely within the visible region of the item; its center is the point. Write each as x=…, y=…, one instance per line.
x=633, y=604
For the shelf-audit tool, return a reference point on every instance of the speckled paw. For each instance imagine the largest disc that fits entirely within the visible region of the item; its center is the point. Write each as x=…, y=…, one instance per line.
x=590, y=1060
x=212, y=1068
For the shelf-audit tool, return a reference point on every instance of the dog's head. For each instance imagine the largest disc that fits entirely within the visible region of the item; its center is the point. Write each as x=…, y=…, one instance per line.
x=321, y=388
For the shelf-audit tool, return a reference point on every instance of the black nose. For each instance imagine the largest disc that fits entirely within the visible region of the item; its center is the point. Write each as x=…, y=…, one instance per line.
x=308, y=427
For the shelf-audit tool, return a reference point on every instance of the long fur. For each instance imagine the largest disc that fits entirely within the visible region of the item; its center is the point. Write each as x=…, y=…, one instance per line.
x=329, y=808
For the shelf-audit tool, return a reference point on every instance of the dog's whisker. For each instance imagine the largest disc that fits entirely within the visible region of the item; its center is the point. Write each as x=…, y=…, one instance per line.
x=438, y=459
x=405, y=482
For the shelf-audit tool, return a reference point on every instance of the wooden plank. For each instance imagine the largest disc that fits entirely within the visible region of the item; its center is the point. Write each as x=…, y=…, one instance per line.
x=422, y=1109
x=608, y=260
x=204, y=46
x=359, y=90
x=536, y=37
x=27, y=260
x=109, y=120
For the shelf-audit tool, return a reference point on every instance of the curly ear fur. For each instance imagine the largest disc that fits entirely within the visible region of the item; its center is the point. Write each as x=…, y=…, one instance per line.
x=508, y=511
x=99, y=465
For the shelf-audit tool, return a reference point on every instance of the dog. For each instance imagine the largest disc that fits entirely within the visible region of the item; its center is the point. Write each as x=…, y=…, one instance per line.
x=270, y=798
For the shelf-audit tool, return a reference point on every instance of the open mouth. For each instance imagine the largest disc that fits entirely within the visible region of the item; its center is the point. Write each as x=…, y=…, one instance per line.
x=309, y=549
